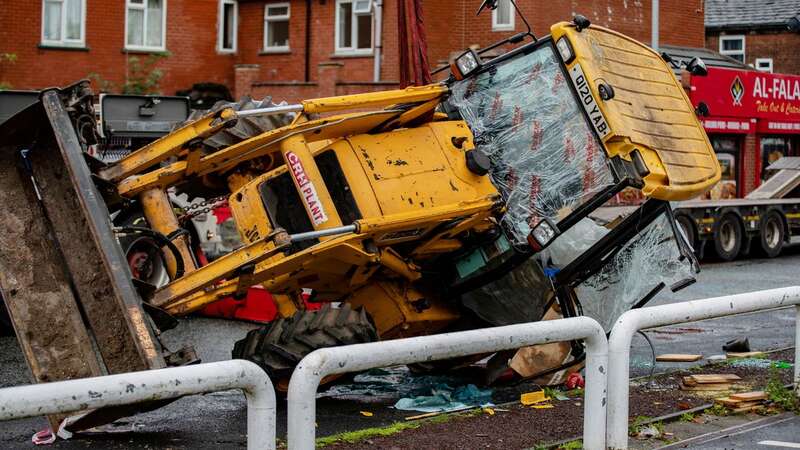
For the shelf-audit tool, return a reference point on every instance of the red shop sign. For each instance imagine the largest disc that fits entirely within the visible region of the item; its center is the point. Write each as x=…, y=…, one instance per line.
x=752, y=94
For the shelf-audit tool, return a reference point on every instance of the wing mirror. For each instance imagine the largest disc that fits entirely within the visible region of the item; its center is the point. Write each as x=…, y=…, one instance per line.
x=697, y=67
x=491, y=4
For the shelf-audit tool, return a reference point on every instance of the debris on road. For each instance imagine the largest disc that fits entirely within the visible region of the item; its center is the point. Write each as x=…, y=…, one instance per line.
x=575, y=380
x=708, y=382
x=737, y=345
x=366, y=413
x=744, y=354
x=530, y=398
x=444, y=398
x=678, y=357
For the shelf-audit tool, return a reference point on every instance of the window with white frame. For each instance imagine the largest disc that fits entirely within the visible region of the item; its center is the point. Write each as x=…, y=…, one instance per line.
x=145, y=24
x=276, y=27
x=227, y=26
x=353, y=27
x=63, y=22
x=732, y=46
x=764, y=65
x=503, y=16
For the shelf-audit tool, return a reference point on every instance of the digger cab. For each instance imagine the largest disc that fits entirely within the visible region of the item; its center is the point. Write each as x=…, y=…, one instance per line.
x=568, y=122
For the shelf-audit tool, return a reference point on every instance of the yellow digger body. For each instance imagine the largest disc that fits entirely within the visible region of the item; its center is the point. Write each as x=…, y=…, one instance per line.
x=391, y=203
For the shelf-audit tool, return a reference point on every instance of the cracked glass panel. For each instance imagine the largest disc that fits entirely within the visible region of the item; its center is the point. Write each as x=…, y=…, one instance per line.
x=545, y=159
x=651, y=257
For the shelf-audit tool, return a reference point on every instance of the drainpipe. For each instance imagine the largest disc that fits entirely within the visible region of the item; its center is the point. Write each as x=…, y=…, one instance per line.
x=654, y=30
x=376, y=76
x=308, y=41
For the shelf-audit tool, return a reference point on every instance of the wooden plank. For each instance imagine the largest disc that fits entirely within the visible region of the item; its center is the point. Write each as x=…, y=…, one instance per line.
x=749, y=396
x=713, y=378
x=731, y=403
x=743, y=354
x=678, y=357
x=707, y=387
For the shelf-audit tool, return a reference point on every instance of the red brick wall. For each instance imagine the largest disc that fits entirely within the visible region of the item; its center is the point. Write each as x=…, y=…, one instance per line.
x=782, y=47
x=453, y=26
x=191, y=41
x=192, y=34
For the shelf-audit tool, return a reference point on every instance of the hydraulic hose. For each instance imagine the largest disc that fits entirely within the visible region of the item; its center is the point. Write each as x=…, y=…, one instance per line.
x=164, y=241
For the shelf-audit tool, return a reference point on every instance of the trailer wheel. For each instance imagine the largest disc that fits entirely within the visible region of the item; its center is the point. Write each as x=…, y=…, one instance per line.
x=687, y=226
x=728, y=237
x=772, y=234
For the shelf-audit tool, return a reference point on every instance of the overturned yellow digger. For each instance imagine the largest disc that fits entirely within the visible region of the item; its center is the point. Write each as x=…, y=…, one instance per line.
x=463, y=204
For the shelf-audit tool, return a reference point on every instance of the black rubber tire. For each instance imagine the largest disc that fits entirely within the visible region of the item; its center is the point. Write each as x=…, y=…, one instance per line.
x=687, y=225
x=772, y=234
x=728, y=237
x=278, y=346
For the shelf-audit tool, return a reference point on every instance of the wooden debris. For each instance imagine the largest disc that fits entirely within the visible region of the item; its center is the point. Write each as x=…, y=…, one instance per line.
x=693, y=380
x=744, y=402
x=750, y=396
x=706, y=387
x=677, y=357
x=747, y=409
x=743, y=354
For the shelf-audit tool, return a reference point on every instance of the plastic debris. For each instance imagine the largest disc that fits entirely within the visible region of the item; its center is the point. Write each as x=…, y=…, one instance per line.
x=530, y=398
x=575, y=380
x=737, y=345
x=783, y=365
x=650, y=432
x=489, y=411
x=366, y=413
x=543, y=406
x=445, y=398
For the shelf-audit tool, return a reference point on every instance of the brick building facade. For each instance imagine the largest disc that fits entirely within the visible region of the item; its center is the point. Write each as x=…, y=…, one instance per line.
x=243, y=44
x=753, y=130
x=756, y=32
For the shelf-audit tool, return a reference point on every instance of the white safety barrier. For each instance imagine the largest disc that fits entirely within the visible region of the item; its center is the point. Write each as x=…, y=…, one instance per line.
x=351, y=358
x=123, y=389
x=655, y=316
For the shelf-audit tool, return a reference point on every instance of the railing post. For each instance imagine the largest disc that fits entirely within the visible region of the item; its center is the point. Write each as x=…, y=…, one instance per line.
x=655, y=316
x=134, y=387
x=328, y=361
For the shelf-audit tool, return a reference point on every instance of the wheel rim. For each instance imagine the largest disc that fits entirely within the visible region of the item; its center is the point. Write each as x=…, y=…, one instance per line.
x=772, y=234
x=727, y=234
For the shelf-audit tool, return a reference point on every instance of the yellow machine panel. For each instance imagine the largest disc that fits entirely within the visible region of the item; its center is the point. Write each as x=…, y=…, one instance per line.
x=406, y=178
x=649, y=111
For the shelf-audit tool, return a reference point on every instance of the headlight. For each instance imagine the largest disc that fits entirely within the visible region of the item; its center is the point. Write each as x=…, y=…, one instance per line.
x=543, y=234
x=465, y=64
x=565, y=49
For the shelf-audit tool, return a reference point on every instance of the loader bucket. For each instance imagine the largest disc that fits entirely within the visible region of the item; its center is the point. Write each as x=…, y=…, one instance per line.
x=63, y=277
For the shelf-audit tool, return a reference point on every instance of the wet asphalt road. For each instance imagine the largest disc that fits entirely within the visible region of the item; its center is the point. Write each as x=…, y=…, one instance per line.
x=218, y=420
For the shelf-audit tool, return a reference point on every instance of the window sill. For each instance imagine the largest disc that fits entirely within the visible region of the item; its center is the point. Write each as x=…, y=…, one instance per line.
x=69, y=48
x=276, y=51
x=502, y=29
x=146, y=51
x=349, y=55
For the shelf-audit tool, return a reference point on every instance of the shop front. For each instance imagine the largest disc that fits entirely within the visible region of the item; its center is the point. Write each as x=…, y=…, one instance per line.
x=754, y=119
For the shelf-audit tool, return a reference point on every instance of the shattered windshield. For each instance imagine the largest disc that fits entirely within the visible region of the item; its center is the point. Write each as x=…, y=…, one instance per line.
x=652, y=257
x=545, y=159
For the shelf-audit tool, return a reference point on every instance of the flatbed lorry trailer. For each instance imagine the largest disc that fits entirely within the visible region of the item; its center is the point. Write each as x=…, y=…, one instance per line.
x=739, y=227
